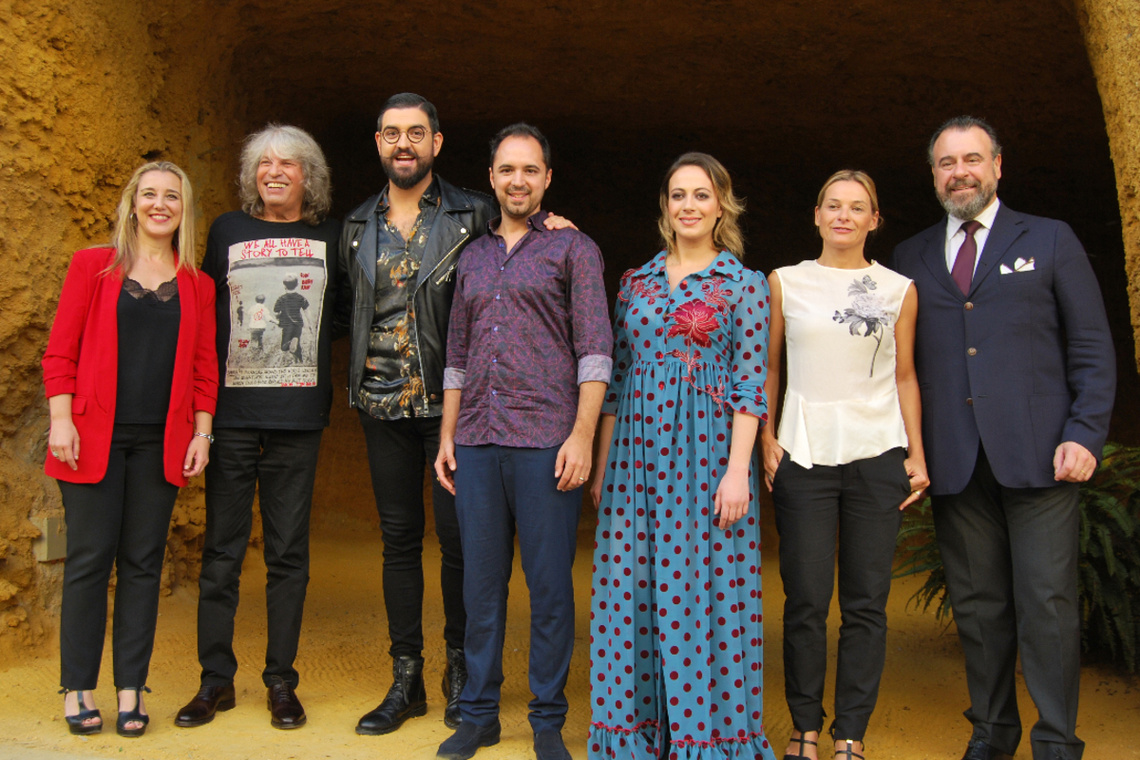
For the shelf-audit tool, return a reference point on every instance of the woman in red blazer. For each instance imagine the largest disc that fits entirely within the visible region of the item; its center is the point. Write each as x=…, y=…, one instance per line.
x=131, y=375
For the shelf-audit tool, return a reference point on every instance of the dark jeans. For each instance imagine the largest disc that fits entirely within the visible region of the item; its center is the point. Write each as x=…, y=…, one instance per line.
x=1010, y=556
x=859, y=501
x=281, y=465
x=498, y=489
x=122, y=521
x=398, y=452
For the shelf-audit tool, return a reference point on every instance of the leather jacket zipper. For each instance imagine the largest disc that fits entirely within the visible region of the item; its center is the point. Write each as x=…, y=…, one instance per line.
x=440, y=281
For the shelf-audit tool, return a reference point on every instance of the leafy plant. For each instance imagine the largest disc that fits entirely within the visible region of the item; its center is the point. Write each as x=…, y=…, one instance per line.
x=1108, y=567
x=917, y=552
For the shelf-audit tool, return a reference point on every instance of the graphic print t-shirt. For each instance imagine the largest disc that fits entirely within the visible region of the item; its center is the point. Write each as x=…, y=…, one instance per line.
x=274, y=313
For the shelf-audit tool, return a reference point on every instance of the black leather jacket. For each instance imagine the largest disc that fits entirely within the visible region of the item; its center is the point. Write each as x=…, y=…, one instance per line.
x=463, y=216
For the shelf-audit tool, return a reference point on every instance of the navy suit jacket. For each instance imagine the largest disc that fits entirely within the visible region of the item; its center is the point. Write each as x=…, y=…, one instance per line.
x=1021, y=363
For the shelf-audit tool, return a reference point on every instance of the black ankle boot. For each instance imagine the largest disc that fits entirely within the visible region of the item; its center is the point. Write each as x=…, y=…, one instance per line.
x=454, y=679
x=406, y=699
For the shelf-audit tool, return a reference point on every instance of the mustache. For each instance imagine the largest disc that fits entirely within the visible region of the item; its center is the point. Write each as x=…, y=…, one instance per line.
x=963, y=183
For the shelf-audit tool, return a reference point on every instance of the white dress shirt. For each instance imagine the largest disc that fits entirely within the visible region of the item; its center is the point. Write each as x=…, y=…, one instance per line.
x=955, y=235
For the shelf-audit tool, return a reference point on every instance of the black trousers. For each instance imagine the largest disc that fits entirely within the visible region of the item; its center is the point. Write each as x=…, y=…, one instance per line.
x=281, y=465
x=859, y=501
x=398, y=452
x=1010, y=556
x=121, y=521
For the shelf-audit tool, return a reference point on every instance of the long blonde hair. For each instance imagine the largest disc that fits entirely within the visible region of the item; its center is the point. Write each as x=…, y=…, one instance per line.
x=726, y=234
x=125, y=236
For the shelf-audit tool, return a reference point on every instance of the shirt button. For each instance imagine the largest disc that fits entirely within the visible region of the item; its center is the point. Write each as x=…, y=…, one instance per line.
x=501, y=268
x=494, y=393
x=498, y=297
x=971, y=351
x=495, y=360
x=969, y=305
x=496, y=329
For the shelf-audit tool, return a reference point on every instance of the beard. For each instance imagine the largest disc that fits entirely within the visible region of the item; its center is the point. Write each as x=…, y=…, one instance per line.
x=406, y=181
x=530, y=206
x=967, y=208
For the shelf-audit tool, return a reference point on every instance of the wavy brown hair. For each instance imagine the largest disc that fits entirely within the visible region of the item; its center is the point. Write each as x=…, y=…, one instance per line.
x=726, y=233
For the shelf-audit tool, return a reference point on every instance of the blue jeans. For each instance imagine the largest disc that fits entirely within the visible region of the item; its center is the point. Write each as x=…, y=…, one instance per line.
x=501, y=490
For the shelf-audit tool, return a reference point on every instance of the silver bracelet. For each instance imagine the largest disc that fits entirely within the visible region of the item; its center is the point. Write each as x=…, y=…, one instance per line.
x=208, y=436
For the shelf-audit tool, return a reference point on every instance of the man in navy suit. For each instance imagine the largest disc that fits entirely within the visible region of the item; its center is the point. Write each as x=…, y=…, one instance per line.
x=1017, y=372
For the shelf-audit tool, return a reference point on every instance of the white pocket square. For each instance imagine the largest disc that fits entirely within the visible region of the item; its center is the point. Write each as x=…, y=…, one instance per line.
x=1019, y=265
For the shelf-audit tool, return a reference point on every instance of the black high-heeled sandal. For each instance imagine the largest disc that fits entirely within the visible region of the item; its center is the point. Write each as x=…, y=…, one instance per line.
x=76, y=723
x=800, y=752
x=848, y=752
x=133, y=716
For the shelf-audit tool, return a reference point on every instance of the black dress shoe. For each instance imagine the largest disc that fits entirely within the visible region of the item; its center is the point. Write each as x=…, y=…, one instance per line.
x=454, y=679
x=200, y=710
x=285, y=709
x=979, y=749
x=467, y=740
x=405, y=699
x=548, y=745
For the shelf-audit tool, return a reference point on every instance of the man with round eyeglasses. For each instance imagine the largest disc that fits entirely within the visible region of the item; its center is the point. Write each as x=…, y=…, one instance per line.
x=398, y=256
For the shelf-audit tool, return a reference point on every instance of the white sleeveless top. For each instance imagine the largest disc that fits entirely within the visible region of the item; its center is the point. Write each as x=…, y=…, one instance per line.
x=842, y=403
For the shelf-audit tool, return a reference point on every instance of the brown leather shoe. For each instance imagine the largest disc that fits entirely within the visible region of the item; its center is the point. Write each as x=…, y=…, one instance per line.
x=209, y=700
x=284, y=708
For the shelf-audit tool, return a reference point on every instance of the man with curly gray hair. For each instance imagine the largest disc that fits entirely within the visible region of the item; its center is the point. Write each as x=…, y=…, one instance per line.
x=272, y=407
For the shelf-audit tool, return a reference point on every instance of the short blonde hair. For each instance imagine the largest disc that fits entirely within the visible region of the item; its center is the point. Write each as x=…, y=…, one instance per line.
x=727, y=235
x=852, y=175
x=125, y=236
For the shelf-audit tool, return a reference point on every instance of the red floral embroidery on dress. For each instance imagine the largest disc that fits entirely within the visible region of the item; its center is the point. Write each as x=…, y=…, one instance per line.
x=694, y=320
x=714, y=293
x=647, y=289
x=690, y=361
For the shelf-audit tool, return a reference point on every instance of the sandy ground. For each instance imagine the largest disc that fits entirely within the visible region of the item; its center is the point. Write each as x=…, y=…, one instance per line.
x=345, y=672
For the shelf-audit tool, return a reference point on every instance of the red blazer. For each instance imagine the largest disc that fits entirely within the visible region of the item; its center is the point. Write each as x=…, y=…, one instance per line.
x=82, y=359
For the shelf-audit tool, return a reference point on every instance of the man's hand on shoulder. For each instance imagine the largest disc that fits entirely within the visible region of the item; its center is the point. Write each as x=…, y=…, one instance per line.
x=556, y=222
x=1073, y=463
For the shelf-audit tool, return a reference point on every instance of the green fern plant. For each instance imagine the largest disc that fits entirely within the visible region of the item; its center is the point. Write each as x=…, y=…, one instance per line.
x=1108, y=569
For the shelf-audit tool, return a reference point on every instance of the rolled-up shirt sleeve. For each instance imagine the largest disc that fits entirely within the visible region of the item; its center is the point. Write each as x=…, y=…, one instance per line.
x=455, y=368
x=622, y=356
x=750, y=347
x=593, y=336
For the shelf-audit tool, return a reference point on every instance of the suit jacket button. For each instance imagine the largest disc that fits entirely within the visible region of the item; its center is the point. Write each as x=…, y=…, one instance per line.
x=971, y=352
x=969, y=402
x=969, y=305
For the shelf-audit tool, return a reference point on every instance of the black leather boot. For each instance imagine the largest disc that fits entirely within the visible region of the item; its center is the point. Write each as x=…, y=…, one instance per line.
x=454, y=679
x=406, y=699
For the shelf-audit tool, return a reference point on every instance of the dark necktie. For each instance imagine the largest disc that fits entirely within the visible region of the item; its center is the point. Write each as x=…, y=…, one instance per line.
x=963, y=271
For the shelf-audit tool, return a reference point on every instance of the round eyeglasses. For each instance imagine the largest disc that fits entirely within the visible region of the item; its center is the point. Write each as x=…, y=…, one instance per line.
x=391, y=135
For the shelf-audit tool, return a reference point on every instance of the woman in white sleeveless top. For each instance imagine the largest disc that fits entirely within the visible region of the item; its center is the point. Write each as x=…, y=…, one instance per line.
x=848, y=458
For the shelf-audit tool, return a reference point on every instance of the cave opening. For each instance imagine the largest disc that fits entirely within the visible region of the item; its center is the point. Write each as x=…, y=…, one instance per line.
x=783, y=95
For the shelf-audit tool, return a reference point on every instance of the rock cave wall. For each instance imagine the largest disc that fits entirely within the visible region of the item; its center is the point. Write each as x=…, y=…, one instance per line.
x=783, y=95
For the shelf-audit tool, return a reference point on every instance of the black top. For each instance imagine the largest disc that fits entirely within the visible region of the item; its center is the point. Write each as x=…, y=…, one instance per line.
x=148, y=341
x=274, y=309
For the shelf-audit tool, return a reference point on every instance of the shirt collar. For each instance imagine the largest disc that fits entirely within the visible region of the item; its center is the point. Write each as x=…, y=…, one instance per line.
x=534, y=221
x=725, y=265
x=986, y=217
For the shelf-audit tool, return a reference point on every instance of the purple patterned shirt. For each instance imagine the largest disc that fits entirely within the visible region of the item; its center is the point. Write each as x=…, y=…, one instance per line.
x=527, y=327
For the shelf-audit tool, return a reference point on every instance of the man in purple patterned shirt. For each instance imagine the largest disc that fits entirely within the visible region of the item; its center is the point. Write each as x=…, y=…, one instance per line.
x=528, y=361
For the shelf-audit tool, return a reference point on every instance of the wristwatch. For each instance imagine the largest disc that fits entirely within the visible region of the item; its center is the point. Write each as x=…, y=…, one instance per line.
x=208, y=436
